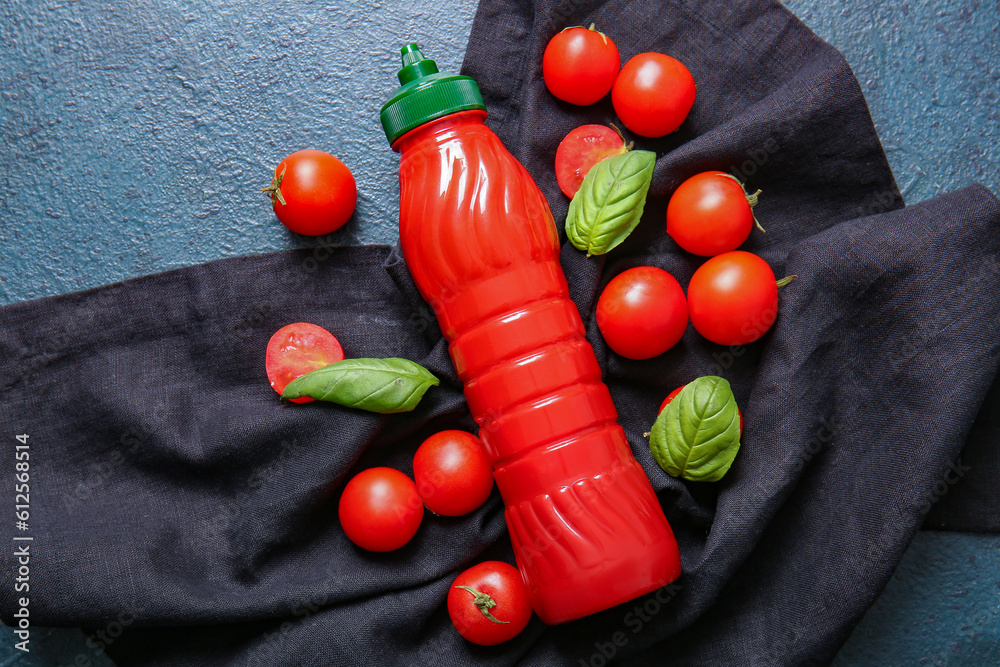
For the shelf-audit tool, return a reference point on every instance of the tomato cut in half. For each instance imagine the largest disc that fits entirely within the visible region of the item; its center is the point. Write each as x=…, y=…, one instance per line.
x=296, y=349
x=580, y=150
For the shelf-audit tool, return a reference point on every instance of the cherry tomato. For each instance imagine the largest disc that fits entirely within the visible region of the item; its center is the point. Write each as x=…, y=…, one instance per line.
x=452, y=473
x=733, y=298
x=380, y=509
x=653, y=94
x=672, y=395
x=488, y=603
x=313, y=193
x=710, y=213
x=642, y=312
x=580, y=150
x=580, y=65
x=296, y=349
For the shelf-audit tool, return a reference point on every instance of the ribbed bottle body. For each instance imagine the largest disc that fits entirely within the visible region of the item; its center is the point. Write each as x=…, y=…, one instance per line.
x=479, y=239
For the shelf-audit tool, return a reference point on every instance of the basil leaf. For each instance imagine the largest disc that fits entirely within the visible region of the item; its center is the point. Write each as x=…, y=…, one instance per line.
x=609, y=203
x=697, y=435
x=376, y=385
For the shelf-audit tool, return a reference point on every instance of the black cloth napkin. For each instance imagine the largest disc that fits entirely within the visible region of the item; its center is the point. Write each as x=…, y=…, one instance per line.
x=183, y=516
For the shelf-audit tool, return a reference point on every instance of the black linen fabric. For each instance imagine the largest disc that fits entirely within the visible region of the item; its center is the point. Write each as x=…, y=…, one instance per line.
x=184, y=516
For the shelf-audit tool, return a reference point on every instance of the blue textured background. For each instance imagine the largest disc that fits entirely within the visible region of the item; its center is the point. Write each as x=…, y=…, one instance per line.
x=137, y=135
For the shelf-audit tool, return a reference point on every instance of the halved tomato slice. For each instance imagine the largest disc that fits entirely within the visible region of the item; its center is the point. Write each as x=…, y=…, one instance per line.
x=580, y=150
x=297, y=349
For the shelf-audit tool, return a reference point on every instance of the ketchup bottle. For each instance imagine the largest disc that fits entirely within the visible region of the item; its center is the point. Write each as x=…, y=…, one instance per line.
x=480, y=242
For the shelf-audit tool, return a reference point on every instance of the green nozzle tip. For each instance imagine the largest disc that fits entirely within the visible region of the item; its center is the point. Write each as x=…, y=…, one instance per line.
x=411, y=54
x=414, y=64
x=425, y=94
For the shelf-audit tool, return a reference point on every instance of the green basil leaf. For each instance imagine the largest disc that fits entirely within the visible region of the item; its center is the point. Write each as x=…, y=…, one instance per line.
x=697, y=435
x=376, y=385
x=609, y=203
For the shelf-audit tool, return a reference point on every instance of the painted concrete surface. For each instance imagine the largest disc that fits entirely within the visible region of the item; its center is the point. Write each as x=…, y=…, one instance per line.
x=930, y=70
x=136, y=136
x=942, y=607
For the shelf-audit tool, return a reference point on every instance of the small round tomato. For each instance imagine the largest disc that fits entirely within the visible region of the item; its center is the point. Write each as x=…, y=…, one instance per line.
x=580, y=65
x=296, y=349
x=733, y=298
x=710, y=213
x=672, y=395
x=580, y=150
x=452, y=473
x=653, y=94
x=380, y=509
x=642, y=312
x=488, y=603
x=313, y=193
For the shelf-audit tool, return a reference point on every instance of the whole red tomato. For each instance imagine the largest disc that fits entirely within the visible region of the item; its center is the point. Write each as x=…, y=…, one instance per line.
x=733, y=298
x=488, y=603
x=580, y=65
x=296, y=349
x=313, y=193
x=653, y=94
x=380, y=509
x=642, y=312
x=710, y=213
x=452, y=473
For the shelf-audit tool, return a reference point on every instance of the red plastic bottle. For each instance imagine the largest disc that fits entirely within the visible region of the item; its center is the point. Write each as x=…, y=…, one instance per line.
x=479, y=239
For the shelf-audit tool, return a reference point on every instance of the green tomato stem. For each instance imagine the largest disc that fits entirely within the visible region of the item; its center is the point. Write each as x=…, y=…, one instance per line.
x=751, y=200
x=484, y=602
x=784, y=281
x=603, y=36
x=274, y=190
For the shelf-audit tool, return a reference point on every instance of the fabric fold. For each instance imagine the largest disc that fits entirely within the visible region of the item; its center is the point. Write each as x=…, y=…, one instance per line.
x=174, y=496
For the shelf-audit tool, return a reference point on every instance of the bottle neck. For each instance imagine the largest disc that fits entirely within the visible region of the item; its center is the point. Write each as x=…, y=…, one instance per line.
x=441, y=129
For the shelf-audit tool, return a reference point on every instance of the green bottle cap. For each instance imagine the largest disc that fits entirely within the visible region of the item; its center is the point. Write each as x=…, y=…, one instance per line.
x=425, y=94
